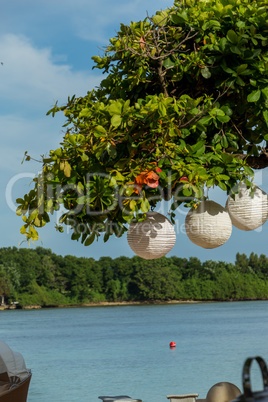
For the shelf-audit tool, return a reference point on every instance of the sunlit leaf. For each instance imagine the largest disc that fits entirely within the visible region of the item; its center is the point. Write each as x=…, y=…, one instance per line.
x=254, y=96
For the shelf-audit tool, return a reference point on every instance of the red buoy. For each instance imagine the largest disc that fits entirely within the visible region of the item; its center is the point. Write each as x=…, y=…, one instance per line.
x=172, y=345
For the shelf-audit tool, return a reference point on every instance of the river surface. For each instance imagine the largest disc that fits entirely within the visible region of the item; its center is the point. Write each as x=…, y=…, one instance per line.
x=78, y=354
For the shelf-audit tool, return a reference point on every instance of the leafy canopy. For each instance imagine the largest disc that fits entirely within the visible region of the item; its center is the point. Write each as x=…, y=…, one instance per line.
x=183, y=105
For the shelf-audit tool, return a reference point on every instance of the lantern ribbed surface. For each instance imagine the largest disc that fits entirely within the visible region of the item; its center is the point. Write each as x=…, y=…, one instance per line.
x=248, y=212
x=209, y=225
x=152, y=238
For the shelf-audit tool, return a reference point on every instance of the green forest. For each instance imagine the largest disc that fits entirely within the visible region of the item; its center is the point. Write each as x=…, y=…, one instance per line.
x=40, y=277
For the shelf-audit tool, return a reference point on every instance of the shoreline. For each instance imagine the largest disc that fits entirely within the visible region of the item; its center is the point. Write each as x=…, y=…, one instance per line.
x=121, y=303
x=98, y=304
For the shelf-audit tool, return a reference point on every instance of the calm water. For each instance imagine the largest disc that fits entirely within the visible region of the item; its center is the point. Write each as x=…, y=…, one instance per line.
x=78, y=354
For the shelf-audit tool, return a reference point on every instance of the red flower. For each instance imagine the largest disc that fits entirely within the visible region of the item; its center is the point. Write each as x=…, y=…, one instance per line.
x=148, y=177
x=152, y=179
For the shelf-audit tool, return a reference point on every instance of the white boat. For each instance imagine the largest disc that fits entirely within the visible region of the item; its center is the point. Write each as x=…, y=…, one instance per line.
x=14, y=376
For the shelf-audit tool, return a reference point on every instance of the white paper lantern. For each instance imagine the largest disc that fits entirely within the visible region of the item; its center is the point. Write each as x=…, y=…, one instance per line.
x=209, y=225
x=152, y=238
x=247, y=212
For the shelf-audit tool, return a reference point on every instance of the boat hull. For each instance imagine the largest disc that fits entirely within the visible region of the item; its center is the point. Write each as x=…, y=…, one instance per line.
x=17, y=393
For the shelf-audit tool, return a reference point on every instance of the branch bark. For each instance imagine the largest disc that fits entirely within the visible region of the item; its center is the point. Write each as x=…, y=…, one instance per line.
x=162, y=78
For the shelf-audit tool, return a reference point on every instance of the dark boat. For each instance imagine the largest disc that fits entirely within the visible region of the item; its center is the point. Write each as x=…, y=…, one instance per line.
x=14, y=376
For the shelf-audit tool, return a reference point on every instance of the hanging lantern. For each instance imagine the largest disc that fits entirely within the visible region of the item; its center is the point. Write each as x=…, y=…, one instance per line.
x=223, y=392
x=152, y=238
x=249, y=209
x=209, y=225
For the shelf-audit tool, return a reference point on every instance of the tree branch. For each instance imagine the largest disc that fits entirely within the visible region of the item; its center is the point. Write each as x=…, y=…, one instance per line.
x=162, y=78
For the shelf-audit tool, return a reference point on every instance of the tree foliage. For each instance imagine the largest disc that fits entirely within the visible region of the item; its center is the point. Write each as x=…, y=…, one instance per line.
x=183, y=105
x=55, y=280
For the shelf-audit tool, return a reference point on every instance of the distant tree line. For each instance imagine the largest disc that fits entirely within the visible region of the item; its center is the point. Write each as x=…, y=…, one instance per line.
x=39, y=276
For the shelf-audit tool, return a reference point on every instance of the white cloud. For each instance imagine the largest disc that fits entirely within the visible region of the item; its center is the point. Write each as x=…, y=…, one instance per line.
x=31, y=79
x=30, y=84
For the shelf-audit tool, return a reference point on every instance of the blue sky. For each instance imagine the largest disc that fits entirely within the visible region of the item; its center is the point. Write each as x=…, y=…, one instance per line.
x=46, y=48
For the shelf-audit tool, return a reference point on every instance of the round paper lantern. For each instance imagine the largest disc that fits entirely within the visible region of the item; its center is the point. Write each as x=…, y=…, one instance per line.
x=209, y=225
x=223, y=392
x=152, y=238
x=248, y=212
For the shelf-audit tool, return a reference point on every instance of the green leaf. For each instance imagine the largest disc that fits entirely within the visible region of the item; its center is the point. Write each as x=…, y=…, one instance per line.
x=75, y=235
x=216, y=138
x=85, y=113
x=185, y=132
x=33, y=215
x=162, y=175
x=162, y=109
x=72, y=139
x=265, y=115
x=67, y=169
x=223, y=177
x=129, y=190
x=217, y=112
x=205, y=72
x=199, y=147
x=227, y=110
x=227, y=158
x=228, y=70
x=119, y=176
x=254, y=96
x=100, y=130
x=81, y=200
x=111, y=150
x=132, y=205
x=168, y=63
x=265, y=92
x=205, y=120
x=127, y=215
x=39, y=222
x=232, y=37
x=200, y=151
x=90, y=239
x=106, y=237
x=210, y=182
x=187, y=192
x=33, y=233
x=115, y=108
x=249, y=171
x=223, y=119
x=160, y=18
x=178, y=18
x=23, y=229
x=97, y=59
x=145, y=206
x=116, y=120
x=224, y=141
x=222, y=185
x=84, y=157
x=222, y=44
x=241, y=68
x=236, y=50
x=211, y=24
